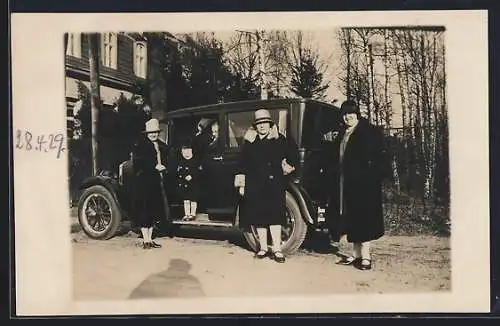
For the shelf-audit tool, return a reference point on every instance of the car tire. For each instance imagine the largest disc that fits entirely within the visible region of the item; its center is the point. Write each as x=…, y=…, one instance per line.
x=91, y=197
x=298, y=232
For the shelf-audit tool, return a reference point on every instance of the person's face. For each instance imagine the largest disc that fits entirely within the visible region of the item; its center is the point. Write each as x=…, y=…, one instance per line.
x=350, y=119
x=263, y=128
x=153, y=136
x=215, y=130
x=187, y=153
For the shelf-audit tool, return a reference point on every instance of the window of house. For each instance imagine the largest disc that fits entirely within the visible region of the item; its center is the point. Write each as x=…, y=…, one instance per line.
x=140, y=59
x=109, y=46
x=240, y=122
x=74, y=46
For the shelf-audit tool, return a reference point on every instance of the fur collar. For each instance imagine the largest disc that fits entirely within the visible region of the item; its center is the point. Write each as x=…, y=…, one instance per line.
x=251, y=134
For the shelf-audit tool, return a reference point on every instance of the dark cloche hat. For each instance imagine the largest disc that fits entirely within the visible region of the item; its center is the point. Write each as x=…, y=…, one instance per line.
x=349, y=106
x=187, y=143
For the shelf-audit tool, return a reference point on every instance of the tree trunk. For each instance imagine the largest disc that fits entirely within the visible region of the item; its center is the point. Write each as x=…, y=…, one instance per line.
x=404, y=109
x=388, y=113
x=370, y=90
x=422, y=166
x=260, y=52
x=410, y=106
x=388, y=108
x=95, y=98
x=348, y=53
x=401, y=87
x=395, y=173
x=372, y=85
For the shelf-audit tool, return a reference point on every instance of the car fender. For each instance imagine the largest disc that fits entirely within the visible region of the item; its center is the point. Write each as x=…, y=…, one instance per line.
x=109, y=183
x=305, y=203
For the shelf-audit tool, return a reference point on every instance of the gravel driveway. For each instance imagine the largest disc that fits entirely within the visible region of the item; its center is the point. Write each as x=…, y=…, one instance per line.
x=214, y=263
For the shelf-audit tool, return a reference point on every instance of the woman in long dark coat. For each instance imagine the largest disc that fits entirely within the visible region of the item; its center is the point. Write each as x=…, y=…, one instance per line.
x=149, y=161
x=267, y=157
x=357, y=166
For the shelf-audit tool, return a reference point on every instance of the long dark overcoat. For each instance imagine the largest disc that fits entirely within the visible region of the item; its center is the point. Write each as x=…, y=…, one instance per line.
x=148, y=202
x=189, y=190
x=363, y=167
x=265, y=184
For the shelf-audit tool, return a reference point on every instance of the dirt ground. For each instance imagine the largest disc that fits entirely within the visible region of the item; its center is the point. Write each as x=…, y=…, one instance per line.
x=215, y=263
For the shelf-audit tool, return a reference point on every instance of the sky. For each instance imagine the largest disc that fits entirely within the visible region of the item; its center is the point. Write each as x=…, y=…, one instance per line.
x=329, y=51
x=328, y=47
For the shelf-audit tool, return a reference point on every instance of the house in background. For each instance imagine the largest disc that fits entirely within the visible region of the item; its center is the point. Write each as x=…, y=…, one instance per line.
x=123, y=66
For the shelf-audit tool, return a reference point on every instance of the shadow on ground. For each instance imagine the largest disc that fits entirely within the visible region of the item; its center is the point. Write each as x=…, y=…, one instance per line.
x=172, y=283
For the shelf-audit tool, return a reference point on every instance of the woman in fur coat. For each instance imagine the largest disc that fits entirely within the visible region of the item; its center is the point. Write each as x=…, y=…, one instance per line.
x=267, y=158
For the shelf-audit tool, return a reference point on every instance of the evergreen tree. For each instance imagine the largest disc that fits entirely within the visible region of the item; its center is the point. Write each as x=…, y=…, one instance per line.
x=307, y=78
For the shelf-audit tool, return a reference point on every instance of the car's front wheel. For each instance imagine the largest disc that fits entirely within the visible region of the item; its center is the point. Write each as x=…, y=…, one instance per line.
x=293, y=232
x=98, y=213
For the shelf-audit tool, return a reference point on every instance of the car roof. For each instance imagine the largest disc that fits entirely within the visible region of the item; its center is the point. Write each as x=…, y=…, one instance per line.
x=236, y=106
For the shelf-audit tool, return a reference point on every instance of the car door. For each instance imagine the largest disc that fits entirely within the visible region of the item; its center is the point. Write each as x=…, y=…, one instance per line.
x=221, y=165
x=217, y=191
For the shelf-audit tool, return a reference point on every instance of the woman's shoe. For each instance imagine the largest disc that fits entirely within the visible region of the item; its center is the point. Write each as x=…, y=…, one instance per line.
x=261, y=254
x=347, y=260
x=146, y=245
x=363, y=264
x=278, y=257
x=155, y=245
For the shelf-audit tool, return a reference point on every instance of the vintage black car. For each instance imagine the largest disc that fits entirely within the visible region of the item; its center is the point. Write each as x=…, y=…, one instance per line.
x=105, y=200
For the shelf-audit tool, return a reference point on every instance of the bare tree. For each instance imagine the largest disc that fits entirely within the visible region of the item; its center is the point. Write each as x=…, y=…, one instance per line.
x=261, y=57
x=364, y=35
x=242, y=55
x=422, y=63
x=415, y=56
x=344, y=35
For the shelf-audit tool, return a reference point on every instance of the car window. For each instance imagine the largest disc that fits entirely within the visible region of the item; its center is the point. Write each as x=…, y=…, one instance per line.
x=240, y=122
x=318, y=120
x=187, y=128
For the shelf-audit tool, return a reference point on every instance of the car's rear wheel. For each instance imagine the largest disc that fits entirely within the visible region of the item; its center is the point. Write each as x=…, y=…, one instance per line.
x=98, y=213
x=293, y=232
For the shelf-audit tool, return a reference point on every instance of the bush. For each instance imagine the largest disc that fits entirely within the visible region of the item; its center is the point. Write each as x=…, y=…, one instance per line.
x=118, y=129
x=407, y=214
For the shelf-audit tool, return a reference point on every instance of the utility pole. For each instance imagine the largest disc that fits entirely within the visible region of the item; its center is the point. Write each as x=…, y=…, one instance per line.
x=95, y=98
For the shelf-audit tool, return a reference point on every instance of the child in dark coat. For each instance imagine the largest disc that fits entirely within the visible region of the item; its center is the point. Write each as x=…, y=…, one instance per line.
x=188, y=181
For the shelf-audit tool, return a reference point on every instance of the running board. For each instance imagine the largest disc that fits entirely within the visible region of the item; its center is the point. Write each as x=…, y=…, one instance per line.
x=203, y=223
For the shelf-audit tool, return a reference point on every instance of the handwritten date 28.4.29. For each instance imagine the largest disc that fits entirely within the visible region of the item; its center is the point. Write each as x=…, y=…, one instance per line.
x=41, y=143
